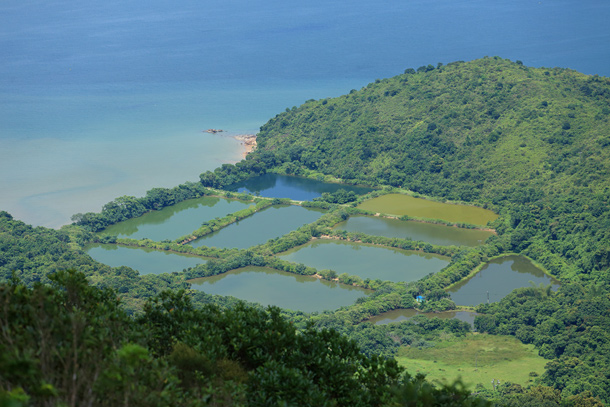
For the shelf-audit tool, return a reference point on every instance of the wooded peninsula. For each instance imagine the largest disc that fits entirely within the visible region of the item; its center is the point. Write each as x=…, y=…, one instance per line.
x=530, y=145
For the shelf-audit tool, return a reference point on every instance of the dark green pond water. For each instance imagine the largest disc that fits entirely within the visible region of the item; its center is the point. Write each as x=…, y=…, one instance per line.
x=427, y=232
x=499, y=277
x=269, y=223
x=146, y=261
x=177, y=220
x=296, y=188
x=366, y=261
x=399, y=204
x=272, y=287
x=406, y=314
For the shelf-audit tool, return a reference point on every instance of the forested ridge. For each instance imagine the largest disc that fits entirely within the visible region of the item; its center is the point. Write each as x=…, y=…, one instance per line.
x=531, y=144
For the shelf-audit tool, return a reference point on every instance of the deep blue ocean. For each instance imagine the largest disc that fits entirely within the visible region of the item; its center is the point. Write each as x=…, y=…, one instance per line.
x=102, y=99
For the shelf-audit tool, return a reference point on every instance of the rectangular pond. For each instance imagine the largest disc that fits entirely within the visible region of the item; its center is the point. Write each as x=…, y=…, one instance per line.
x=296, y=188
x=273, y=287
x=398, y=315
x=177, y=220
x=366, y=261
x=146, y=261
x=271, y=222
x=497, y=279
x=427, y=232
x=399, y=205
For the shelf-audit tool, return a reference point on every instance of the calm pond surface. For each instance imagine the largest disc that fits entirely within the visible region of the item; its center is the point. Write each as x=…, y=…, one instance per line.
x=366, y=261
x=273, y=287
x=499, y=277
x=269, y=223
x=399, y=204
x=177, y=220
x=296, y=188
x=398, y=315
x=146, y=261
x=427, y=232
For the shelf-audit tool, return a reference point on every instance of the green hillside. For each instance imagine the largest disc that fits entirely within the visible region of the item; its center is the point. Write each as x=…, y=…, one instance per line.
x=530, y=143
x=461, y=131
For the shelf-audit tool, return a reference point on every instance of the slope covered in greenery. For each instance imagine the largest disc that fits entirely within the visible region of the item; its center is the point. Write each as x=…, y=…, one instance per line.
x=71, y=344
x=530, y=143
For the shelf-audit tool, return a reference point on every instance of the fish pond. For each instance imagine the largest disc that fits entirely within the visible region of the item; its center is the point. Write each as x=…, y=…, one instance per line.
x=498, y=278
x=295, y=188
x=271, y=222
x=177, y=220
x=399, y=204
x=398, y=315
x=428, y=232
x=273, y=287
x=146, y=261
x=366, y=261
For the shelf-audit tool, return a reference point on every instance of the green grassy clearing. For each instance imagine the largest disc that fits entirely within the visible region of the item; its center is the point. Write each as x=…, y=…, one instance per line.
x=475, y=359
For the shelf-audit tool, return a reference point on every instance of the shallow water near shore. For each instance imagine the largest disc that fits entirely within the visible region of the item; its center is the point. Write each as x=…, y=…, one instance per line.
x=110, y=98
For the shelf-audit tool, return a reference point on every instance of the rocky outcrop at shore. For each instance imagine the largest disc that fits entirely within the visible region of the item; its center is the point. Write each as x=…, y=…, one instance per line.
x=249, y=141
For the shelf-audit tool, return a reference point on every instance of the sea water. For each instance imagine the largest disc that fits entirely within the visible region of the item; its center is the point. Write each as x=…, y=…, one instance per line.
x=103, y=99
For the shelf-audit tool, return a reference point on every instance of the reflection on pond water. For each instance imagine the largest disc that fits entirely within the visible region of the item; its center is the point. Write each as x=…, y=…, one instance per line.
x=146, y=261
x=427, y=232
x=177, y=220
x=498, y=278
x=296, y=188
x=273, y=287
x=398, y=315
x=366, y=261
x=269, y=223
x=399, y=204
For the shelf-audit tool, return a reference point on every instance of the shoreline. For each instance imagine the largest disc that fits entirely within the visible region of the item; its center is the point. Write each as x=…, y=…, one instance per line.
x=248, y=141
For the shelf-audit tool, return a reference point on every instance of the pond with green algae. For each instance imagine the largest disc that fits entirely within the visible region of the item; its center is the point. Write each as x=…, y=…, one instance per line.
x=498, y=278
x=428, y=232
x=286, y=290
x=400, y=205
x=271, y=222
x=177, y=220
x=366, y=261
x=146, y=261
x=399, y=315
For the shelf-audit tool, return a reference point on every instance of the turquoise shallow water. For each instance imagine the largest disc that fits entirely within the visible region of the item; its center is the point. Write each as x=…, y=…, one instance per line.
x=102, y=99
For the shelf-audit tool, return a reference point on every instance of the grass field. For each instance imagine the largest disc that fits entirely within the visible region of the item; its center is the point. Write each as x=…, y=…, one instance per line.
x=478, y=358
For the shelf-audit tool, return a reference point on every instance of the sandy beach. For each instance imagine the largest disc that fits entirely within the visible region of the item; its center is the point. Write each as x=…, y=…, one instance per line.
x=248, y=141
